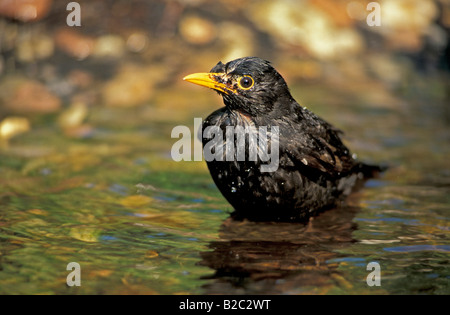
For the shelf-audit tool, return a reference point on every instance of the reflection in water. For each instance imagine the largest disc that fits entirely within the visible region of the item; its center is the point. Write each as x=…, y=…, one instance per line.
x=273, y=257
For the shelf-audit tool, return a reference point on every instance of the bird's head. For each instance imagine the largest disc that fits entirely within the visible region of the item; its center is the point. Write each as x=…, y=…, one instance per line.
x=250, y=85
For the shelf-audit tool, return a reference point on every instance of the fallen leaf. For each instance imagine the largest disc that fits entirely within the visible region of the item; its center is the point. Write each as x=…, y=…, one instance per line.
x=85, y=234
x=135, y=201
x=151, y=254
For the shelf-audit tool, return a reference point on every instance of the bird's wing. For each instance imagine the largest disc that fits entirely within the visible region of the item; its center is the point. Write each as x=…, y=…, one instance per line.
x=316, y=146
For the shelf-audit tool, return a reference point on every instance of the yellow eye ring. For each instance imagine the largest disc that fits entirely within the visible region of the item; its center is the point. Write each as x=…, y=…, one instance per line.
x=246, y=82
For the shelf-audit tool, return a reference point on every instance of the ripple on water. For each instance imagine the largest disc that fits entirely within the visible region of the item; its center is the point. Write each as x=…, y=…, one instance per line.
x=418, y=248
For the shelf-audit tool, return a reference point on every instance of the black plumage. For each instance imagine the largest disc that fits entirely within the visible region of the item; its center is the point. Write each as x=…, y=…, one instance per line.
x=315, y=169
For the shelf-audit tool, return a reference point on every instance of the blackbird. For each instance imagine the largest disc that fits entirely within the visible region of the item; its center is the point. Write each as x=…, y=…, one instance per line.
x=314, y=169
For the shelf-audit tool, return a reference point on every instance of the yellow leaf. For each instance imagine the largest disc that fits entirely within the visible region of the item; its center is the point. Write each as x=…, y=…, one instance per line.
x=151, y=254
x=38, y=212
x=85, y=234
x=100, y=273
x=136, y=201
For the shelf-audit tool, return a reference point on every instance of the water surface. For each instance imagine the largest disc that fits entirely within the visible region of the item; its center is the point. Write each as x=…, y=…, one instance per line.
x=138, y=222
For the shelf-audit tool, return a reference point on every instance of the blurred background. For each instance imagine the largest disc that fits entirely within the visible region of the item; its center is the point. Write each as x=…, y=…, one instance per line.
x=86, y=114
x=134, y=53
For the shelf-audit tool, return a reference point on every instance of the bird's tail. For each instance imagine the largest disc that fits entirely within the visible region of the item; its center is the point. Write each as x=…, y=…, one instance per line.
x=366, y=172
x=372, y=171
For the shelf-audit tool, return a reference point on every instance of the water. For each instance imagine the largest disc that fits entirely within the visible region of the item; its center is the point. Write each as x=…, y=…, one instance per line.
x=138, y=222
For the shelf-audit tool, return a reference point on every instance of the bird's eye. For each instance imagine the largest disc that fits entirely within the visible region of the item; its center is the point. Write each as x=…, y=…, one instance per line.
x=246, y=82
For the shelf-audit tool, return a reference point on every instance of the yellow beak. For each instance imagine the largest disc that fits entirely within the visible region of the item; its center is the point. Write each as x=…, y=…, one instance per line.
x=209, y=80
